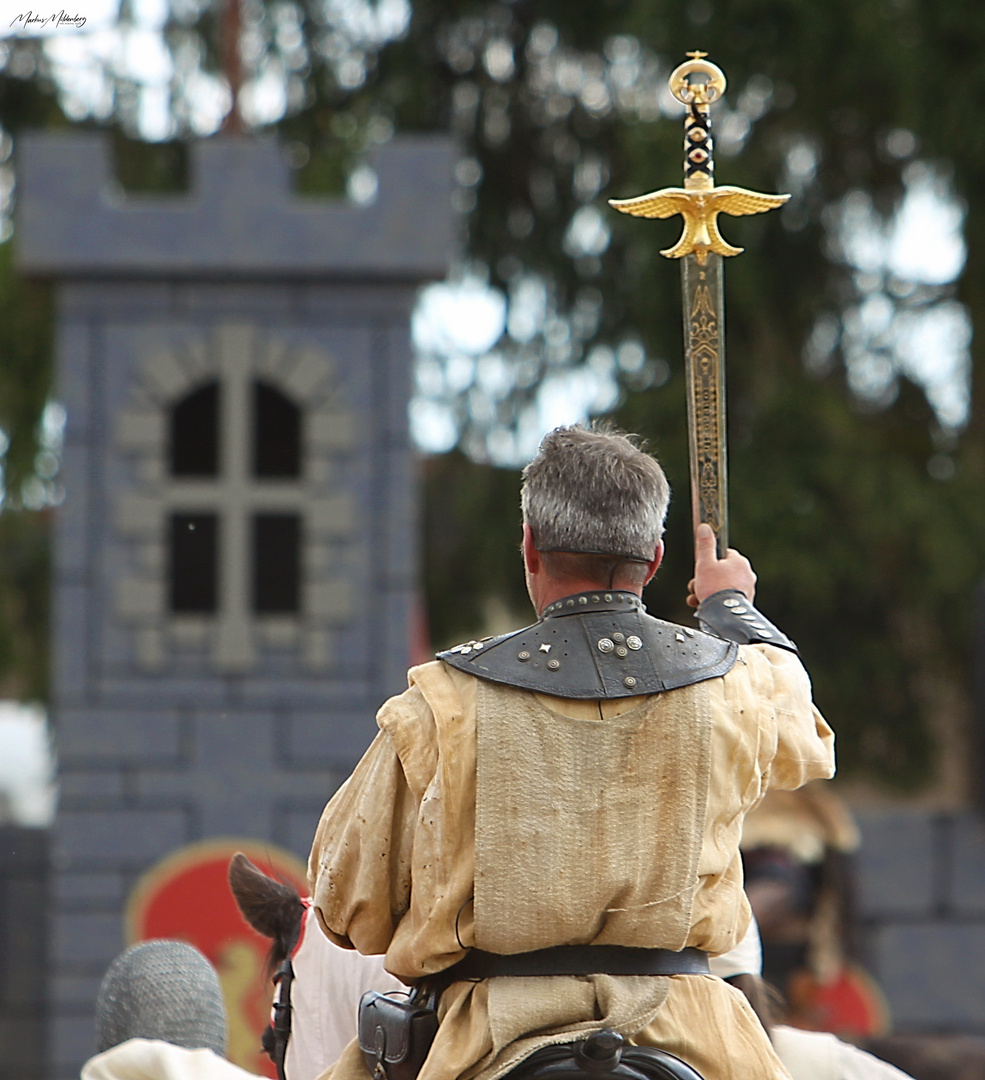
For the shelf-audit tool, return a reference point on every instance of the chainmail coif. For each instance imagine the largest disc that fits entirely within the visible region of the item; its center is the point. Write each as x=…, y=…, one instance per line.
x=164, y=990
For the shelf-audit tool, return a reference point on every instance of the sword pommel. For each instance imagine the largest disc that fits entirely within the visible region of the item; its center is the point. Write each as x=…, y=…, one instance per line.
x=709, y=85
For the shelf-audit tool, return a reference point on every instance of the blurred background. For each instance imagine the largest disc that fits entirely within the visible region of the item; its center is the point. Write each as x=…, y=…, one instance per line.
x=856, y=394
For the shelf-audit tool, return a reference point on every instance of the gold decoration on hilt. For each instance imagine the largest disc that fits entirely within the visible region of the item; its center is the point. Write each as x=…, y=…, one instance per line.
x=697, y=84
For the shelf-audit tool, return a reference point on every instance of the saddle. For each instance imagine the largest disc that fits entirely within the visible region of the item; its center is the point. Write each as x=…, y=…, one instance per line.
x=604, y=1055
x=396, y=1033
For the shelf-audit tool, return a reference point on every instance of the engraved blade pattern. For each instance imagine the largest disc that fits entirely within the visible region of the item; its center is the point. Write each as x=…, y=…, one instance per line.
x=704, y=352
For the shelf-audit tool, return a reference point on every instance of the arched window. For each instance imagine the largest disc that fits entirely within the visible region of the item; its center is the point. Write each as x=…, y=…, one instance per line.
x=211, y=506
x=193, y=537
x=276, y=537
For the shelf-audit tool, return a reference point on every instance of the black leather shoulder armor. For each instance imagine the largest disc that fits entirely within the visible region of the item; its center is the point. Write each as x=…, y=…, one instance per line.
x=728, y=614
x=596, y=645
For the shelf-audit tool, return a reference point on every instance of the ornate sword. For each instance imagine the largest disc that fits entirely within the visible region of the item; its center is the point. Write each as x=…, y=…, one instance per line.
x=701, y=248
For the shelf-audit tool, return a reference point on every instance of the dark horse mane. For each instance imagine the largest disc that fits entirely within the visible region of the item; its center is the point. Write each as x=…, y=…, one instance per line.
x=271, y=907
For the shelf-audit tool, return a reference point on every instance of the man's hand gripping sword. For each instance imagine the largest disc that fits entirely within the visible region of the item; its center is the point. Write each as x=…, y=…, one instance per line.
x=701, y=248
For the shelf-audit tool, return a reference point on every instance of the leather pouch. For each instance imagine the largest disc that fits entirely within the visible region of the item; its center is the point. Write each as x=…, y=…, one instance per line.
x=396, y=1033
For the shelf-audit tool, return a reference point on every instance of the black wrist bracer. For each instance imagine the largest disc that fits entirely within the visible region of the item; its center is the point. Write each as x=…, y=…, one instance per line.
x=728, y=614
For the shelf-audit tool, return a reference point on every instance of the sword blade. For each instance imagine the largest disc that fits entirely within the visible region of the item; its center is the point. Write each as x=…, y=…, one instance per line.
x=704, y=353
x=697, y=84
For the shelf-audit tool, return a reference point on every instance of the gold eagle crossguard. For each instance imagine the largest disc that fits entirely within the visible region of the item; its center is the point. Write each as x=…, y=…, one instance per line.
x=701, y=248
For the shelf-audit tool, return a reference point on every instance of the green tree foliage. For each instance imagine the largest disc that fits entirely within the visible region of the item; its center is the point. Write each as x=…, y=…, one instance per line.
x=864, y=517
x=862, y=512
x=24, y=587
x=473, y=576
x=26, y=100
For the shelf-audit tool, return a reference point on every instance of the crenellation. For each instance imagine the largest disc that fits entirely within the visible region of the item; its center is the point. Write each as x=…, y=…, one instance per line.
x=73, y=225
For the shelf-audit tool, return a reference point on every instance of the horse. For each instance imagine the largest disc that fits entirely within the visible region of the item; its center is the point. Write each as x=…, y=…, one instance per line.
x=319, y=985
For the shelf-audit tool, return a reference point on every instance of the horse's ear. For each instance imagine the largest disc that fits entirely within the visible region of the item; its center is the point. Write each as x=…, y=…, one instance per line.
x=270, y=907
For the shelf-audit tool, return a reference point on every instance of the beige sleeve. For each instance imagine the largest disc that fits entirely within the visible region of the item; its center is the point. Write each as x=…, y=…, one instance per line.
x=392, y=866
x=359, y=867
x=803, y=747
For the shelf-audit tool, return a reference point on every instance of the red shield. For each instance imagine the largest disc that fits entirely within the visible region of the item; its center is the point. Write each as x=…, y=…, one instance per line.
x=186, y=896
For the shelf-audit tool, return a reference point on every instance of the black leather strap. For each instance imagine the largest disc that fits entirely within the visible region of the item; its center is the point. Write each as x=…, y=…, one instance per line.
x=278, y=1033
x=579, y=960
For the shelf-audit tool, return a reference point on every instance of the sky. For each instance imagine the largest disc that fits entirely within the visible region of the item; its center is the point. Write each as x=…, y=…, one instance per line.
x=27, y=790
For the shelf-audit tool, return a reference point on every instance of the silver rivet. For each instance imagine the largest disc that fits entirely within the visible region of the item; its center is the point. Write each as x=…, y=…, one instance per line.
x=766, y=633
x=606, y=645
x=595, y=599
x=545, y=648
x=622, y=652
x=524, y=655
x=553, y=664
x=738, y=611
x=466, y=649
x=619, y=637
x=680, y=637
x=571, y=603
x=731, y=603
x=608, y=598
x=629, y=681
x=748, y=618
x=688, y=631
x=634, y=642
x=478, y=645
x=582, y=599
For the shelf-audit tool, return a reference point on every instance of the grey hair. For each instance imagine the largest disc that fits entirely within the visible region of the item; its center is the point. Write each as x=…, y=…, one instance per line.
x=595, y=491
x=161, y=989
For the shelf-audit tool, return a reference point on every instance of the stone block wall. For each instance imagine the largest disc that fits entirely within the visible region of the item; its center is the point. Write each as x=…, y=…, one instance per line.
x=230, y=721
x=921, y=902
x=23, y=932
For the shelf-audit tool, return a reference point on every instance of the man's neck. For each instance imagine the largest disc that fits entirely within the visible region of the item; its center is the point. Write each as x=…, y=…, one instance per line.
x=557, y=590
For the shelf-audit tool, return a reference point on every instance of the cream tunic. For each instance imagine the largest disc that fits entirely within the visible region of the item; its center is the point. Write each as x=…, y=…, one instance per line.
x=392, y=871
x=152, y=1059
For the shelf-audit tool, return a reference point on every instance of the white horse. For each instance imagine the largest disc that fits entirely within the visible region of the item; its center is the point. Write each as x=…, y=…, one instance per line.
x=326, y=983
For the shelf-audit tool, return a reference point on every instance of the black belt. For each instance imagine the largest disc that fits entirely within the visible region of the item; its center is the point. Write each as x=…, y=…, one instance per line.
x=578, y=960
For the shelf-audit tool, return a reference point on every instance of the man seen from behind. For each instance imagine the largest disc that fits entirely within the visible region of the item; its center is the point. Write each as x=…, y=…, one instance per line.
x=557, y=811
